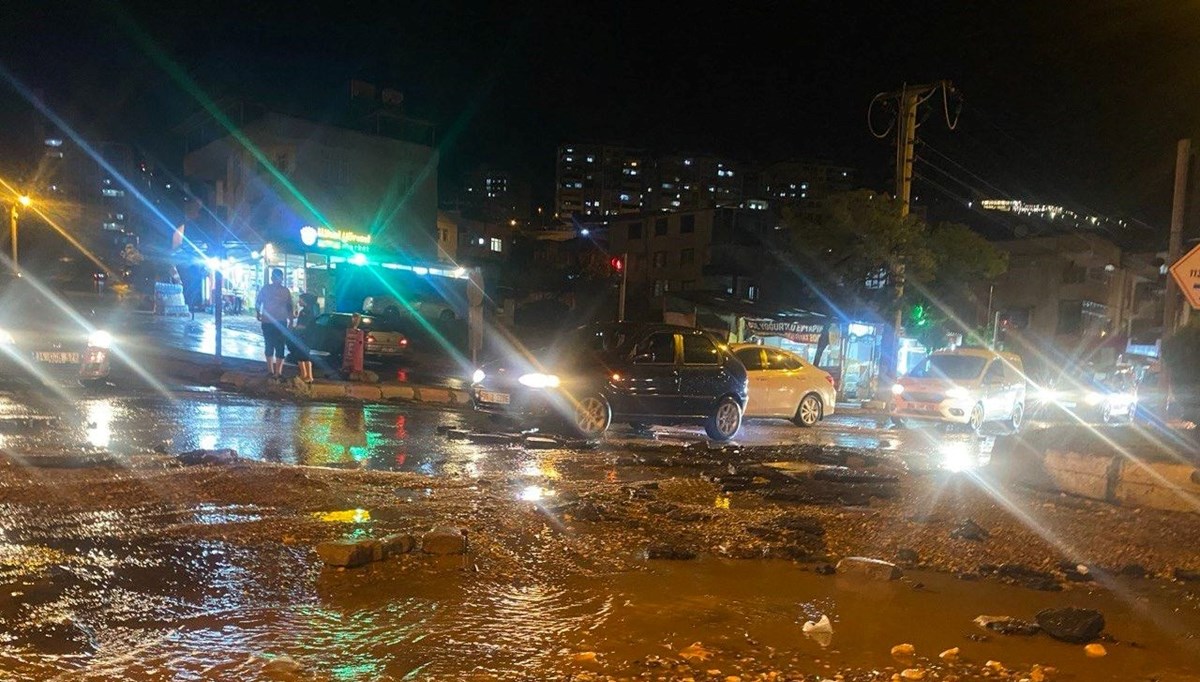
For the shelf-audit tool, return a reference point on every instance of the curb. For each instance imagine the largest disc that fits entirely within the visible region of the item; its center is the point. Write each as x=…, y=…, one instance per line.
x=325, y=390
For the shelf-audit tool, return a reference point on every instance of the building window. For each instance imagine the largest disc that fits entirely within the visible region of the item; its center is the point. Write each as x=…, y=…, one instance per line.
x=687, y=256
x=752, y=292
x=660, y=259
x=497, y=244
x=660, y=227
x=687, y=223
x=635, y=231
x=660, y=287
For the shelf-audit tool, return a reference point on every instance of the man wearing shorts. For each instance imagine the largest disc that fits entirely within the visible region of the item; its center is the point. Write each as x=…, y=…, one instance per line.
x=275, y=309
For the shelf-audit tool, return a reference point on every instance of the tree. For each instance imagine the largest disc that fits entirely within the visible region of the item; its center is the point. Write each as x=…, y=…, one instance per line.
x=846, y=253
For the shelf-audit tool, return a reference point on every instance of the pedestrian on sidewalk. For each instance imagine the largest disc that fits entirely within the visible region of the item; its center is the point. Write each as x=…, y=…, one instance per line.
x=275, y=309
x=300, y=336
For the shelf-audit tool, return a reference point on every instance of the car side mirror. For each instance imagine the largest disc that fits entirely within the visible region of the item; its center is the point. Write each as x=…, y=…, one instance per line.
x=643, y=358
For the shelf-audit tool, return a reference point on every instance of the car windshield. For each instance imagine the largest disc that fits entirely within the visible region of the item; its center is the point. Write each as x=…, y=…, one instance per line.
x=955, y=367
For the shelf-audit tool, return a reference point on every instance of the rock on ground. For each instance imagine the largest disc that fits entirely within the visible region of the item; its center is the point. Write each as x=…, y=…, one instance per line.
x=445, y=540
x=346, y=553
x=1074, y=625
x=868, y=569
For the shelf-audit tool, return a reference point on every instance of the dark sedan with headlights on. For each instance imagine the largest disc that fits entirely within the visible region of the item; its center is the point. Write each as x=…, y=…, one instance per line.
x=637, y=373
x=49, y=336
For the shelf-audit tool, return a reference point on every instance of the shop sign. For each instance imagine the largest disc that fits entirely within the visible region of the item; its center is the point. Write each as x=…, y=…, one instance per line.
x=328, y=238
x=797, y=332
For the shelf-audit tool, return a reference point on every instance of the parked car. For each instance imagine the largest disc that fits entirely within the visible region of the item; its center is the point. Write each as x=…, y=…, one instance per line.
x=637, y=373
x=384, y=339
x=784, y=385
x=49, y=336
x=1088, y=395
x=968, y=386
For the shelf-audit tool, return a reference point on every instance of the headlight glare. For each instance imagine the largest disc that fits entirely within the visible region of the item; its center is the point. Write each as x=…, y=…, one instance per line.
x=958, y=393
x=897, y=389
x=1093, y=398
x=100, y=339
x=478, y=376
x=538, y=380
x=6, y=339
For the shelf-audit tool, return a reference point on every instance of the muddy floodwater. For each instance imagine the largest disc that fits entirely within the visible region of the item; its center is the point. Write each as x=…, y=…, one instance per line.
x=209, y=610
x=138, y=568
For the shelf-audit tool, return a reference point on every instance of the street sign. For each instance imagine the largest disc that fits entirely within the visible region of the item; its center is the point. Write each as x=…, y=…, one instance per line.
x=1186, y=272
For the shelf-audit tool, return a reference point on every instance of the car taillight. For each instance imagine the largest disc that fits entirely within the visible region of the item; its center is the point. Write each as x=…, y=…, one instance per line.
x=371, y=339
x=403, y=342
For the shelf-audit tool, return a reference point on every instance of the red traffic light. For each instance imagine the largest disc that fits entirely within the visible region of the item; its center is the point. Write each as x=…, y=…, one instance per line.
x=617, y=264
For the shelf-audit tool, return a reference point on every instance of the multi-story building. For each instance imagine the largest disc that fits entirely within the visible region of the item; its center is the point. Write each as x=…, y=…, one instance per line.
x=595, y=181
x=703, y=250
x=799, y=183
x=1067, y=295
x=306, y=196
x=494, y=194
x=691, y=183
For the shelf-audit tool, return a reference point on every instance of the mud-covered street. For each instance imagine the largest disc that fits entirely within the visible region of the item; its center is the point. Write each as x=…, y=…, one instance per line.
x=639, y=558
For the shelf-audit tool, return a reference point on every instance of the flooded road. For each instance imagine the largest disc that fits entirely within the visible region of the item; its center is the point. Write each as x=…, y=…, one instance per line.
x=139, y=569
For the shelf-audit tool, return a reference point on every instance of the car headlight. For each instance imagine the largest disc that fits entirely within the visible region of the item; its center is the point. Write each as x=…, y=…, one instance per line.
x=6, y=339
x=477, y=376
x=958, y=393
x=100, y=339
x=1093, y=398
x=897, y=389
x=1046, y=395
x=537, y=380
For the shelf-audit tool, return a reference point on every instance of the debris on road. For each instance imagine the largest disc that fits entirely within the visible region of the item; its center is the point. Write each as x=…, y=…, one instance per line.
x=201, y=457
x=445, y=540
x=1007, y=625
x=863, y=568
x=1071, y=624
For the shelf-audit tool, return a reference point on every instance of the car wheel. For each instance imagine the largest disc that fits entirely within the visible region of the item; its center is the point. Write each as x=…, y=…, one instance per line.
x=975, y=422
x=592, y=416
x=1018, y=417
x=725, y=421
x=809, y=411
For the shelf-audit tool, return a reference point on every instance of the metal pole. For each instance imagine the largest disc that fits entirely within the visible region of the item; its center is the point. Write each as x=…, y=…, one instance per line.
x=12, y=219
x=995, y=329
x=1173, y=297
x=218, y=306
x=624, y=279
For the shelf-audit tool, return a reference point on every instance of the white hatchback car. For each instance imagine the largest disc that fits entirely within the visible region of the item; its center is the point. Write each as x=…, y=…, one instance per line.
x=784, y=385
x=967, y=386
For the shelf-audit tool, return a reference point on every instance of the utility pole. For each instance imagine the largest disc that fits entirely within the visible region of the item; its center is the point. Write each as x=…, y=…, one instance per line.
x=907, y=99
x=1172, y=297
x=624, y=280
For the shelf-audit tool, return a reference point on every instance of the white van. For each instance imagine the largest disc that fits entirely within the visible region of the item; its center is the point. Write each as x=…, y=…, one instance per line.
x=964, y=386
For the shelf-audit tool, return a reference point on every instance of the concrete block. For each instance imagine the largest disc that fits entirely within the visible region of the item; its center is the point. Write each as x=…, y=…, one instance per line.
x=460, y=397
x=1082, y=474
x=395, y=545
x=364, y=392
x=1159, y=485
x=397, y=392
x=433, y=394
x=320, y=390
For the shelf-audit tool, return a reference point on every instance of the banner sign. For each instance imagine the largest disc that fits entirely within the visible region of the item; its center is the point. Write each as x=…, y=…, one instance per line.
x=326, y=238
x=798, y=332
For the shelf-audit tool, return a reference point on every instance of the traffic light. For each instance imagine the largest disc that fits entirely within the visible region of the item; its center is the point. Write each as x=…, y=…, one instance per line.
x=918, y=316
x=617, y=264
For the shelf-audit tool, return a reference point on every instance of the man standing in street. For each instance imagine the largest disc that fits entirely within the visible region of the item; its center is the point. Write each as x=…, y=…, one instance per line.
x=275, y=309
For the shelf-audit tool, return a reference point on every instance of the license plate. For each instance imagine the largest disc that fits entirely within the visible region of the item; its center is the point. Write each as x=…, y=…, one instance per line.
x=57, y=357
x=492, y=397
x=926, y=407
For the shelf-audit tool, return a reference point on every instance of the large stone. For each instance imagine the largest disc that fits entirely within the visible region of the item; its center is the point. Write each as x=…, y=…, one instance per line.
x=394, y=545
x=1070, y=624
x=445, y=540
x=868, y=569
x=1007, y=625
x=670, y=552
x=346, y=553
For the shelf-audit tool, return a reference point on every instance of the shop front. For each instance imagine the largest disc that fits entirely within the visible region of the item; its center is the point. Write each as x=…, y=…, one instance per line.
x=849, y=351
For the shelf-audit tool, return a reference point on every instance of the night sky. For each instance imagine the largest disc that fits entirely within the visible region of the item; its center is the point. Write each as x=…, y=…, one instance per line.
x=1078, y=103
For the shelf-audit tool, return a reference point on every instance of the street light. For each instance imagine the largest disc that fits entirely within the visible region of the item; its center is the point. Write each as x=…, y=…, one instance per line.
x=13, y=214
